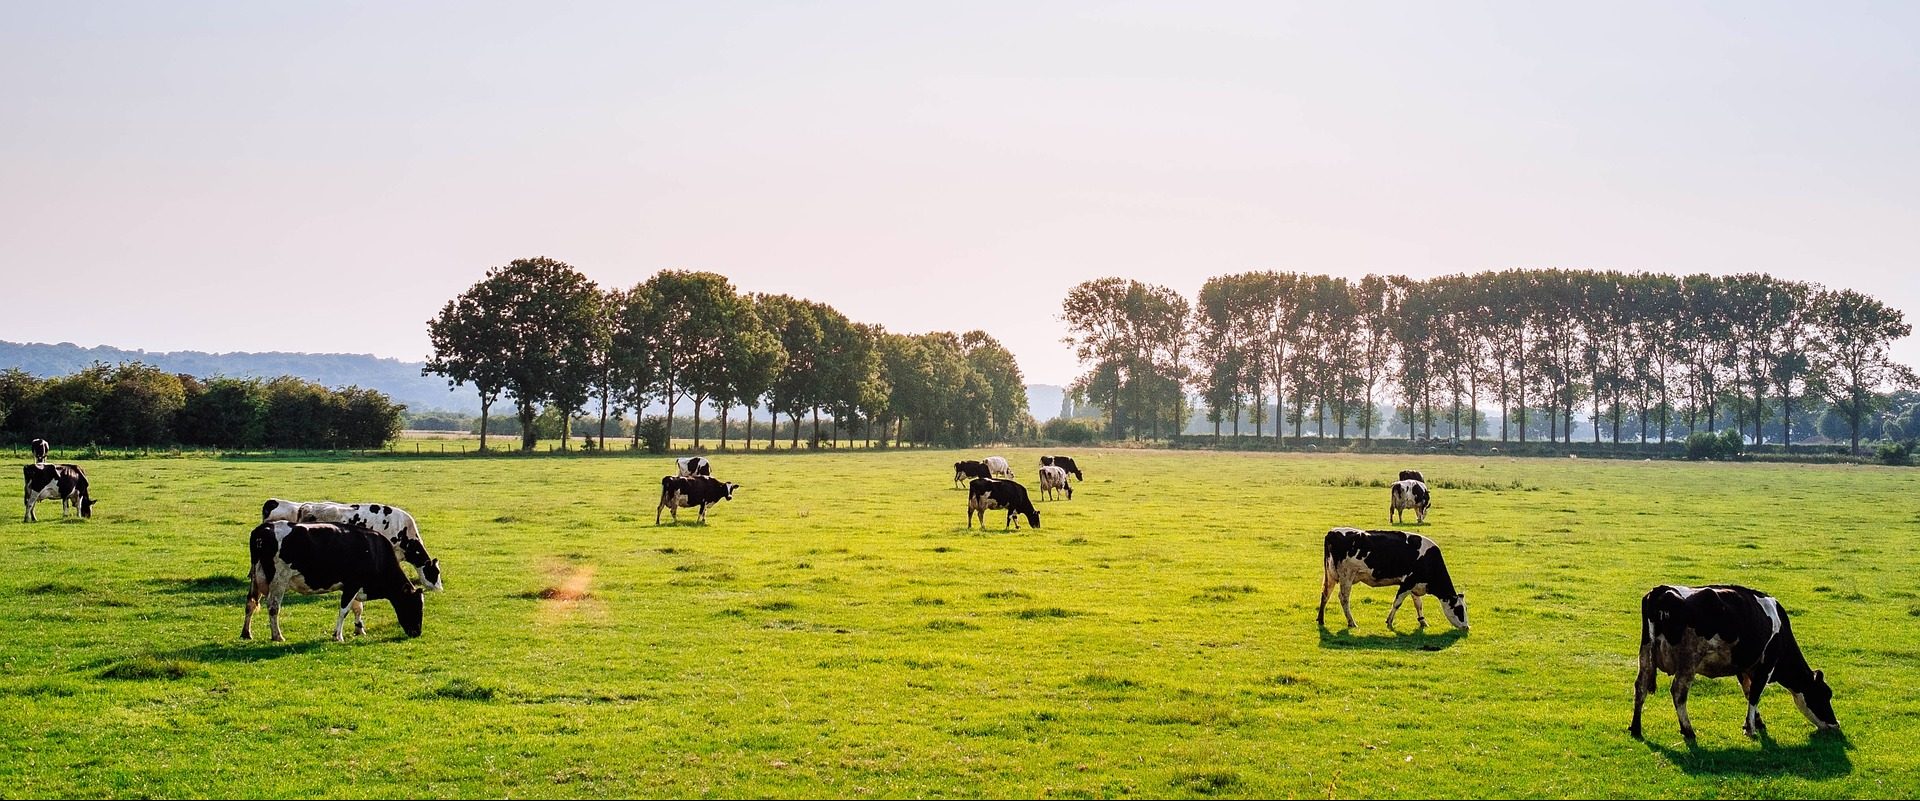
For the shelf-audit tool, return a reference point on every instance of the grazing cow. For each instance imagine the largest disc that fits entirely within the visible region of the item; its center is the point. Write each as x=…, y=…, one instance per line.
x=1382, y=558
x=1409, y=494
x=677, y=492
x=1412, y=475
x=1725, y=630
x=999, y=493
x=1053, y=478
x=391, y=522
x=694, y=466
x=40, y=448
x=1064, y=463
x=313, y=558
x=68, y=482
x=971, y=468
x=997, y=466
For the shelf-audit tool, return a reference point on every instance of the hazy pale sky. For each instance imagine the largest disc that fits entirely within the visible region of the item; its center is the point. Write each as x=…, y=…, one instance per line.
x=322, y=177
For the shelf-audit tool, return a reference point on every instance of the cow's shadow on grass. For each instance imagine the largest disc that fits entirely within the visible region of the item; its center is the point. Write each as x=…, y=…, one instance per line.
x=211, y=590
x=259, y=649
x=1414, y=640
x=1822, y=756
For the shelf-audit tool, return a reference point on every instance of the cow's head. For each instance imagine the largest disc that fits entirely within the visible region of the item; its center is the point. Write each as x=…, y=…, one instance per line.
x=1816, y=702
x=410, y=609
x=1455, y=609
x=958, y=471
x=415, y=553
x=1033, y=517
x=86, y=506
x=730, y=486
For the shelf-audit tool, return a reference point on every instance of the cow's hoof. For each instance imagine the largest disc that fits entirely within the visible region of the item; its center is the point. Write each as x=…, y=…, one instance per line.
x=1634, y=732
x=279, y=639
x=1687, y=733
x=246, y=635
x=1422, y=621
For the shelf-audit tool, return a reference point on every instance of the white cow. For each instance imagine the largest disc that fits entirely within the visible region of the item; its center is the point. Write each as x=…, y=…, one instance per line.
x=1409, y=494
x=998, y=466
x=1052, y=480
x=391, y=522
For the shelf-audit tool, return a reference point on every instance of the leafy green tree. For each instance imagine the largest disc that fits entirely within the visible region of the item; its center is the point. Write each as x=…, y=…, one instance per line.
x=1851, y=358
x=473, y=343
x=226, y=413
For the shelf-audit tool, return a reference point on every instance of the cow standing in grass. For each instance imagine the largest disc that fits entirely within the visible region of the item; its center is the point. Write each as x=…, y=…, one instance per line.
x=694, y=466
x=1412, y=475
x=1053, y=479
x=392, y=522
x=969, y=469
x=1725, y=630
x=315, y=558
x=1409, y=494
x=677, y=492
x=40, y=450
x=996, y=493
x=1064, y=463
x=1389, y=558
x=997, y=467
x=44, y=482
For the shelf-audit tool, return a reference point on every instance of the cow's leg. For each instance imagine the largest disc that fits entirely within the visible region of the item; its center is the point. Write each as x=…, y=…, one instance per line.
x=1753, y=687
x=1418, y=613
x=1681, y=682
x=656, y=512
x=28, y=518
x=359, y=617
x=1398, y=597
x=1326, y=588
x=703, y=514
x=274, y=597
x=346, y=605
x=253, y=602
x=1346, y=592
x=983, y=520
x=1643, y=685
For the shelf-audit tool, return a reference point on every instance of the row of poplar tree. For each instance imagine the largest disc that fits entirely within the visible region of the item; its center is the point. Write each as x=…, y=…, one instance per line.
x=137, y=405
x=539, y=334
x=1645, y=349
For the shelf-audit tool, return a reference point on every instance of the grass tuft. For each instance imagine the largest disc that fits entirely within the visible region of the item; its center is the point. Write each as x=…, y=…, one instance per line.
x=464, y=690
x=141, y=668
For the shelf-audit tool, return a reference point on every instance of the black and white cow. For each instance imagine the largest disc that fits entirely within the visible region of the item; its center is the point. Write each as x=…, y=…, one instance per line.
x=1409, y=494
x=997, y=466
x=1053, y=478
x=314, y=558
x=1064, y=463
x=40, y=449
x=392, y=522
x=1412, y=475
x=1390, y=558
x=972, y=468
x=694, y=466
x=68, y=482
x=999, y=493
x=1725, y=630
x=678, y=492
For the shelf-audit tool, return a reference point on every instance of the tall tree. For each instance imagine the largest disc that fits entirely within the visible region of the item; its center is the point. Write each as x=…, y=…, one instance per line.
x=1852, y=335
x=473, y=343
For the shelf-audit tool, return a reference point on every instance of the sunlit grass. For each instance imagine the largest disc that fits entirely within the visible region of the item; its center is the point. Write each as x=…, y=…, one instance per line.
x=837, y=630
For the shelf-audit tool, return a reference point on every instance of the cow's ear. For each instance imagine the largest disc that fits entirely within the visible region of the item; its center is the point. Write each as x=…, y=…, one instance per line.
x=1819, y=675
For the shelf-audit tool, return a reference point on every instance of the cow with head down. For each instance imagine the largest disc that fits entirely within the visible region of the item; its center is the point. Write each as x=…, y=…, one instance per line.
x=999, y=493
x=68, y=482
x=315, y=558
x=1409, y=562
x=1725, y=630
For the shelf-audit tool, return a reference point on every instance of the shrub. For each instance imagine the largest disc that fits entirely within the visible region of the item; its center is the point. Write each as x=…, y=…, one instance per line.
x=1895, y=453
x=1070, y=432
x=654, y=434
x=1725, y=445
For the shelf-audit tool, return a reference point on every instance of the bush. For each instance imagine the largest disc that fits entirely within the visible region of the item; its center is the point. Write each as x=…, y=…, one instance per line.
x=1899, y=454
x=1725, y=445
x=1070, y=432
x=654, y=434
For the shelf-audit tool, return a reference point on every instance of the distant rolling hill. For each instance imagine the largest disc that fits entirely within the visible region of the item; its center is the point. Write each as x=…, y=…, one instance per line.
x=401, y=380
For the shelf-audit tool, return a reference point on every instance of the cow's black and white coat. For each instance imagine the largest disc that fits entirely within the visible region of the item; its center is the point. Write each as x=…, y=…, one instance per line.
x=392, y=522
x=40, y=449
x=694, y=466
x=1409, y=494
x=1410, y=562
x=1053, y=478
x=314, y=558
x=1412, y=475
x=1064, y=463
x=997, y=493
x=678, y=492
x=44, y=482
x=969, y=469
x=1725, y=630
x=997, y=467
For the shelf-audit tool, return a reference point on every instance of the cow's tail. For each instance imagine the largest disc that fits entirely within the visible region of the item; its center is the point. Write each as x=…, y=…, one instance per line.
x=1327, y=579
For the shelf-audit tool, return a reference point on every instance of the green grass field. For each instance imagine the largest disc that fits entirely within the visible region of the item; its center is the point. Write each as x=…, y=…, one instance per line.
x=836, y=630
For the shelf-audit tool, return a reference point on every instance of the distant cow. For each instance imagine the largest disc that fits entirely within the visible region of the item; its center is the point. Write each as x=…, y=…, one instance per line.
x=313, y=558
x=694, y=466
x=68, y=482
x=972, y=468
x=678, y=492
x=1053, y=478
x=40, y=448
x=1064, y=463
x=1725, y=630
x=997, y=493
x=1382, y=558
x=391, y=522
x=1412, y=475
x=998, y=467
x=1409, y=494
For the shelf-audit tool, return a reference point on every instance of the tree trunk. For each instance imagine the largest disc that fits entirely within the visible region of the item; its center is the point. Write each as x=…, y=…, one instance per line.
x=486, y=406
x=816, y=427
x=749, y=436
x=528, y=437
x=723, y=425
x=698, y=400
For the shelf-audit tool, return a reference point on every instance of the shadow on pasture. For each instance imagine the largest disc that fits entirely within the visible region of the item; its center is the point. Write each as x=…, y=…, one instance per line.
x=1416, y=640
x=259, y=649
x=208, y=590
x=1822, y=756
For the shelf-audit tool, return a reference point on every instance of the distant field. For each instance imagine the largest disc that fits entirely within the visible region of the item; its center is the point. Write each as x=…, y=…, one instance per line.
x=837, y=630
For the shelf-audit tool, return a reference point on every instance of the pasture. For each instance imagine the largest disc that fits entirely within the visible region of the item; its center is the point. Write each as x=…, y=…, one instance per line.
x=836, y=630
